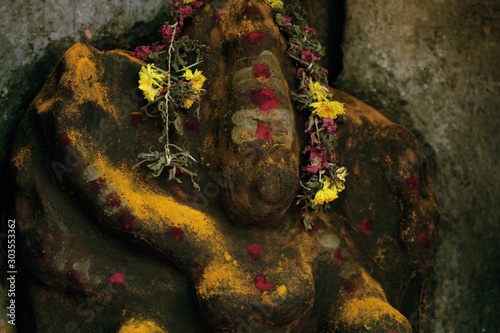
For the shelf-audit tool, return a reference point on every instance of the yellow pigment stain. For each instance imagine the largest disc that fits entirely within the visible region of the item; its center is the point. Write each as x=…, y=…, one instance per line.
x=223, y=278
x=361, y=312
x=141, y=326
x=21, y=157
x=84, y=74
x=158, y=211
x=281, y=291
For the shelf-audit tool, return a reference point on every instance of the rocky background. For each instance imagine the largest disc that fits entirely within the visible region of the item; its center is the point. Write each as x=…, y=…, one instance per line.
x=430, y=65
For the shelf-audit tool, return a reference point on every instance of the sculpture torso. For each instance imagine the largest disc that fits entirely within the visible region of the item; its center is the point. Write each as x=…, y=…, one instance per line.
x=236, y=251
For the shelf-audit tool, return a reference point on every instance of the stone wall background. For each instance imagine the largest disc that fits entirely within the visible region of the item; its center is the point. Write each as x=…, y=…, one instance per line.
x=430, y=65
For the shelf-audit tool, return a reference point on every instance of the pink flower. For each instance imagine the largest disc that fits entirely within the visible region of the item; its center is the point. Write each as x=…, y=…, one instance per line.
x=166, y=33
x=159, y=48
x=198, y=4
x=307, y=55
x=187, y=11
x=141, y=51
x=299, y=73
x=174, y=5
x=311, y=31
x=318, y=157
x=330, y=125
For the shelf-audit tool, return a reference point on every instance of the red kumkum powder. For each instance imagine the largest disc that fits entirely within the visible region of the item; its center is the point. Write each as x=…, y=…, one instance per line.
x=264, y=133
x=265, y=99
x=254, y=251
x=252, y=12
x=424, y=241
x=255, y=37
x=176, y=234
x=64, y=139
x=261, y=72
x=114, y=200
x=261, y=283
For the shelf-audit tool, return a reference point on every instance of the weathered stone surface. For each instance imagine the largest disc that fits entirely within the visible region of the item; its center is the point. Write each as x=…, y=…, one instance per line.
x=35, y=34
x=77, y=194
x=433, y=67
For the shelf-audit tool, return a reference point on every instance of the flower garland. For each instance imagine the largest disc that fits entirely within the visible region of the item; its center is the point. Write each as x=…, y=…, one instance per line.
x=170, y=86
x=322, y=179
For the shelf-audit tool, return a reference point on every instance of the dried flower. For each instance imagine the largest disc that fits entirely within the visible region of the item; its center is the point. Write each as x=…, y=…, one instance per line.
x=275, y=4
x=328, y=109
x=328, y=193
x=150, y=81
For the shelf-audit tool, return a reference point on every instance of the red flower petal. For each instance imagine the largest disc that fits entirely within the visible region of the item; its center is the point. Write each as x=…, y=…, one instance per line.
x=114, y=200
x=98, y=184
x=366, y=226
x=254, y=251
x=118, y=278
x=424, y=241
x=265, y=99
x=176, y=234
x=264, y=133
x=64, y=139
x=260, y=282
x=255, y=37
x=261, y=71
x=338, y=255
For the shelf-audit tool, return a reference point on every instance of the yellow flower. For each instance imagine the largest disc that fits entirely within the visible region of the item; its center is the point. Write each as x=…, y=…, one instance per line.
x=328, y=193
x=197, y=79
x=328, y=109
x=150, y=82
x=187, y=1
x=275, y=4
x=188, y=102
x=320, y=93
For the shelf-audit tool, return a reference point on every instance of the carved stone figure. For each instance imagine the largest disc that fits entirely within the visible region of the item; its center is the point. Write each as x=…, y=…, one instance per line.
x=109, y=249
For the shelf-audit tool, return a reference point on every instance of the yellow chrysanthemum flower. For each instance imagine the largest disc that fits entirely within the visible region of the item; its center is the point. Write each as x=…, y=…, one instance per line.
x=197, y=79
x=188, y=102
x=150, y=82
x=328, y=109
x=187, y=1
x=328, y=193
x=320, y=93
x=275, y=4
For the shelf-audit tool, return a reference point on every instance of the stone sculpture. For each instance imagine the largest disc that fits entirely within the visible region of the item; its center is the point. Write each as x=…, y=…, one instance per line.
x=110, y=250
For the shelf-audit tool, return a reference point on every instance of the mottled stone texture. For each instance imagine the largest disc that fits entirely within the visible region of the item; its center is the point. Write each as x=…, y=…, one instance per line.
x=87, y=217
x=35, y=34
x=430, y=65
x=433, y=67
